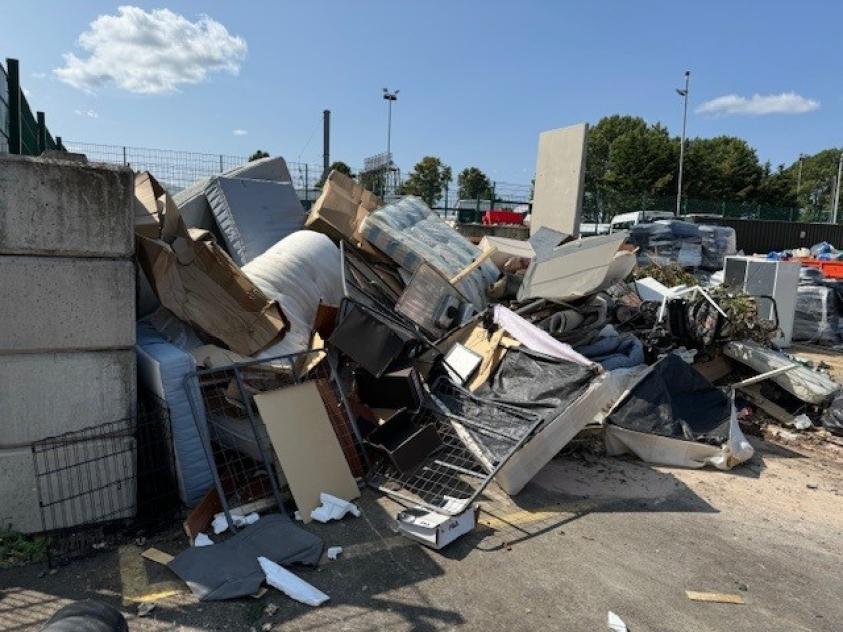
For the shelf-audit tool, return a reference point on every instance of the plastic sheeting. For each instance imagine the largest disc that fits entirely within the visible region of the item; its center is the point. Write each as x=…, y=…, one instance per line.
x=299, y=272
x=536, y=382
x=690, y=245
x=534, y=338
x=815, y=319
x=253, y=215
x=672, y=415
x=410, y=233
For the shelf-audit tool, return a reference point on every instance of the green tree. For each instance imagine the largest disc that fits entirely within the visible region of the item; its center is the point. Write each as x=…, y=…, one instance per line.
x=473, y=184
x=819, y=175
x=427, y=179
x=628, y=163
x=340, y=166
x=722, y=168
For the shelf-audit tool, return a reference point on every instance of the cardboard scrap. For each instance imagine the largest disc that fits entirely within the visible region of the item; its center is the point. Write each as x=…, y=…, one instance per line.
x=194, y=278
x=340, y=210
x=199, y=519
x=147, y=213
x=158, y=556
x=305, y=444
x=715, y=597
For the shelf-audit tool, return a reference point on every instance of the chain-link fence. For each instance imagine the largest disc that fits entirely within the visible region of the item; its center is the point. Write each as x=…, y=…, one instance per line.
x=177, y=170
x=603, y=205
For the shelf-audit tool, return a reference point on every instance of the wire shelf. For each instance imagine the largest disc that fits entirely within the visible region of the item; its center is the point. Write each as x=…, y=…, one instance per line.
x=477, y=437
x=236, y=443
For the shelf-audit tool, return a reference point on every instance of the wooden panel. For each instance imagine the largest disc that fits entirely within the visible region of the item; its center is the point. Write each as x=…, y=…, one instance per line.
x=306, y=446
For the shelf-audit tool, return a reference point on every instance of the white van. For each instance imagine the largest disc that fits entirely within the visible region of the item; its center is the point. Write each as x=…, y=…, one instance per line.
x=625, y=221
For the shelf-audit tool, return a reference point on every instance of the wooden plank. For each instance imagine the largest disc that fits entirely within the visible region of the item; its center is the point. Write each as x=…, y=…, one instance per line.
x=714, y=597
x=199, y=520
x=753, y=394
x=306, y=446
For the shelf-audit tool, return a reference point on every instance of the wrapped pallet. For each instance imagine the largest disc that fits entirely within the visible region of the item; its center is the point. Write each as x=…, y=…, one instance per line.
x=816, y=317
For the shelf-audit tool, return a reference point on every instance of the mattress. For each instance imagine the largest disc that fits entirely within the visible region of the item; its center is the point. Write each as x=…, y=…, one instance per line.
x=162, y=368
x=410, y=233
x=191, y=201
x=299, y=272
x=253, y=215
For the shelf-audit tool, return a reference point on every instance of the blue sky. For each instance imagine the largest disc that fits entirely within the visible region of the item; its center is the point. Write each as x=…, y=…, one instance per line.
x=478, y=80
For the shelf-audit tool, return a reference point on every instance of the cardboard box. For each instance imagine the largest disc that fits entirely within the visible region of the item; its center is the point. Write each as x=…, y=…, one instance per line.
x=433, y=529
x=146, y=209
x=340, y=210
x=194, y=278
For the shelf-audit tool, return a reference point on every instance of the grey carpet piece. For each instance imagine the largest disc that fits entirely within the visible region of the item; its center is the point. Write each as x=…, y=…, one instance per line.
x=230, y=569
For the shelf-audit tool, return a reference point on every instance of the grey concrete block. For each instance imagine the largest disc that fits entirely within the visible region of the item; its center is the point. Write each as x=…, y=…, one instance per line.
x=62, y=208
x=92, y=482
x=48, y=394
x=60, y=304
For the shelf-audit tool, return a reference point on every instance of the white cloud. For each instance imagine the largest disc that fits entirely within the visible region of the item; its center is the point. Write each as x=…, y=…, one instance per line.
x=239, y=132
x=759, y=105
x=151, y=52
x=89, y=113
x=39, y=75
x=26, y=92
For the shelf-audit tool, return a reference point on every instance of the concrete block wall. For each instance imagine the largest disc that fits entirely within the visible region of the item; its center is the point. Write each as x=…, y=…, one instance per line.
x=67, y=320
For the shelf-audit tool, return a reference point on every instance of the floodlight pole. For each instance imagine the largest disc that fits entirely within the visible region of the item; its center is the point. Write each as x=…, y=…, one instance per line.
x=684, y=94
x=389, y=97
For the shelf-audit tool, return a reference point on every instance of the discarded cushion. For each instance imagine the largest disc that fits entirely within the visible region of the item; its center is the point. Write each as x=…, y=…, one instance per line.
x=230, y=569
x=253, y=215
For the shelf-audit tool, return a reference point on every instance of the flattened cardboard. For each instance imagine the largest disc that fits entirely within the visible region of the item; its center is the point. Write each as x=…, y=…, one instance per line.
x=200, y=284
x=305, y=444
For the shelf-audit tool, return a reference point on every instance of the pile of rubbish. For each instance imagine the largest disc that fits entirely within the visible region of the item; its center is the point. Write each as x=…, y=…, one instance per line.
x=694, y=246
x=303, y=354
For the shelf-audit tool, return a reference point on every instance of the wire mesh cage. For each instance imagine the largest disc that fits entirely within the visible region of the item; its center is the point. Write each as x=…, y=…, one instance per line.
x=236, y=442
x=101, y=483
x=474, y=438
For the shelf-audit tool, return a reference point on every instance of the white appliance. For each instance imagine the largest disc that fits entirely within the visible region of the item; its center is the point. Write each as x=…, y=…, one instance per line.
x=767, y=279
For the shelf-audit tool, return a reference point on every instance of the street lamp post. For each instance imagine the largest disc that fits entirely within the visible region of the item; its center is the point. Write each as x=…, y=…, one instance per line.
x=684, y=94
x=389, y=97
x=799, y=180
x=837, y=190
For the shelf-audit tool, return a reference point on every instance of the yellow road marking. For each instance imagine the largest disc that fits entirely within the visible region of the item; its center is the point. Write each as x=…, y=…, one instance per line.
x=134, y=580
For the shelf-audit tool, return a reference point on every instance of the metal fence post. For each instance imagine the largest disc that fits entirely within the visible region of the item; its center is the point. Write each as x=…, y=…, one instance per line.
x=13, y=83
x=306, y=184
x=124, y=155
x=220, y=163
x=42, y=132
